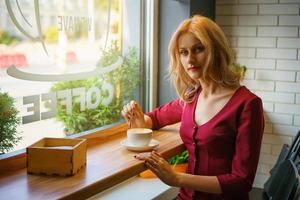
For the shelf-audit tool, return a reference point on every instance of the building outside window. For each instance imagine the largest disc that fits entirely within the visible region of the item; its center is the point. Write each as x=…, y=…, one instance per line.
x=69, y=65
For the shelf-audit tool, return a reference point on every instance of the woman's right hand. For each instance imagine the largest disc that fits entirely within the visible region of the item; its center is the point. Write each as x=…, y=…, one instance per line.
x=133, y=114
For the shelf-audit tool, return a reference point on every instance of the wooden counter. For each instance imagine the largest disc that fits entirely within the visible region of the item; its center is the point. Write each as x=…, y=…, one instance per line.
x=108, y=163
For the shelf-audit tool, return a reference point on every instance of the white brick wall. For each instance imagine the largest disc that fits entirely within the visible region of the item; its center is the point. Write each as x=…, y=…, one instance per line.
x=278, y=31
x=266, y=36
x=258, y=20
x=250, y=74
x=289, y=20
x=297, y=120
x=227, y=20
x=279, y=9
x=276, y=53
x=240, y=9
x=256, y=42
x=297, y=98
x=257, y=1
x=288, y=87
x=226, y=2
x=275, y=75
x=279, y=96
x=288, y=43
x=266, y=148
x=257, y=63
x=289, y=1
x=241, y=31
x=287, y=108
x=279, y=118
x=268, y=128
x=293, y=65
x=245, y=52
x=259, y=85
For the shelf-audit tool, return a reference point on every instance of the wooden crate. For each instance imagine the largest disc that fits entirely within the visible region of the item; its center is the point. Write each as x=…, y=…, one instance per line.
x=56, y=156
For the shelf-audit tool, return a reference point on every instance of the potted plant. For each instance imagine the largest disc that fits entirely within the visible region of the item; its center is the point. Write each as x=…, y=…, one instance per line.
x=8, y=123
x=178, y=163
x=238, y=68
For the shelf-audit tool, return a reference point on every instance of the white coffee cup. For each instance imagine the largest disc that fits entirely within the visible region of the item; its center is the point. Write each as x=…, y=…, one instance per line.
x=139, y=137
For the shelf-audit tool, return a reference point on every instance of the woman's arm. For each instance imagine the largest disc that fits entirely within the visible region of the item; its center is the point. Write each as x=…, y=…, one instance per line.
x=247, y=149
x=208, y=184
x=166, y=114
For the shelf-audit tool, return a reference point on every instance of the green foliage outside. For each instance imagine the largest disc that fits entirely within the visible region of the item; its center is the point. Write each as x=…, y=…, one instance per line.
x=8, y=123
x=6, y=38
x=126, y=77
x=125, y=80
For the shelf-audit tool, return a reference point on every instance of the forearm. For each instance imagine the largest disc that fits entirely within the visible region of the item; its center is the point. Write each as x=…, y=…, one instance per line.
x=208, y=184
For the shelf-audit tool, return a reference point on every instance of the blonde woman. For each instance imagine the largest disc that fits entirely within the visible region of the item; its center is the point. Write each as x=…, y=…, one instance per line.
x=221, y=122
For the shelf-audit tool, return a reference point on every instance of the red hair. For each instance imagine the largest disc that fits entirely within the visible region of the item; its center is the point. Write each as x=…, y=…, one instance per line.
x=217, y=70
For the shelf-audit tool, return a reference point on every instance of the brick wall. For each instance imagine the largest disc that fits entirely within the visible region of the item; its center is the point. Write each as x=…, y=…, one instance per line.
x=266, y=36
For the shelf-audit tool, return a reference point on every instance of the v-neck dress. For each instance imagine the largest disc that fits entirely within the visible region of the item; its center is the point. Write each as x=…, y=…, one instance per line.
x=227, y=146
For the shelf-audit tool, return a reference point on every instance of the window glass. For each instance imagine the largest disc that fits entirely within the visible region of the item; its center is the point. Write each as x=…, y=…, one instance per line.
x=66, y=67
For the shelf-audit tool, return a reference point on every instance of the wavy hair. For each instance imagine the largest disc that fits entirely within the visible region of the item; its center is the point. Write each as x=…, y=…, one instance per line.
x=217, y=70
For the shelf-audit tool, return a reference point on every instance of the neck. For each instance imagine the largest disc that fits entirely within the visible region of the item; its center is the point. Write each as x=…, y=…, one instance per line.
x=208, y=89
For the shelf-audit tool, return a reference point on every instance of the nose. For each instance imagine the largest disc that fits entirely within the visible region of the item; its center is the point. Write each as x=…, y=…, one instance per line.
x=191, y=58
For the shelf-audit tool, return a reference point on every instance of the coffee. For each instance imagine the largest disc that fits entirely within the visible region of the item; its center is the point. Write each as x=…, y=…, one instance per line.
x=139, y=137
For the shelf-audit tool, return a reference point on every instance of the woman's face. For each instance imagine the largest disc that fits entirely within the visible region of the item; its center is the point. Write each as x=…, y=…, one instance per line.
x=192, y=55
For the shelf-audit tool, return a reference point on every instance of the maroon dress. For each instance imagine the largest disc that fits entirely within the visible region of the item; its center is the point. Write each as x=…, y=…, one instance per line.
x=227, y=146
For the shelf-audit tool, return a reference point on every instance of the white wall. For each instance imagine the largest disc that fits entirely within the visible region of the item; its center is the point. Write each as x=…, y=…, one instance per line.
x=266, y=36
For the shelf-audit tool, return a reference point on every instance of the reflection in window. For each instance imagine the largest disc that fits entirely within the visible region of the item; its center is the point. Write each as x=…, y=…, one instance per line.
x=63, y=65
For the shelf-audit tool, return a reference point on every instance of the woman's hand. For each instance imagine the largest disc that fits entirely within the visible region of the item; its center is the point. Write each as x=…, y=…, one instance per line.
x=133, y=114
x=160, y=167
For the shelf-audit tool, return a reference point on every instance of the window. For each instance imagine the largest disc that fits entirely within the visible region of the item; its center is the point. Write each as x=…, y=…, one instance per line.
x=69, y=66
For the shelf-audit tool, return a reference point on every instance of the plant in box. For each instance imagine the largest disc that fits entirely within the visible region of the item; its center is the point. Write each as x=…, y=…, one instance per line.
x=238, y=68
x=8, y=123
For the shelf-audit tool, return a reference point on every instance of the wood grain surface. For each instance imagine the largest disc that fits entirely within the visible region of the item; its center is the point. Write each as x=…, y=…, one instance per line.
x=108, y=163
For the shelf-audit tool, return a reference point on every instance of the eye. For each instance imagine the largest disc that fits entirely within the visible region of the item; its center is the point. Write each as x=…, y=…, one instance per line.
x=199, y=49
x=183, y=52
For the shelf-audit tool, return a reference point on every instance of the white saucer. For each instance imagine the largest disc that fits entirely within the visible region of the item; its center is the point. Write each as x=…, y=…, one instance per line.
x=153, y=144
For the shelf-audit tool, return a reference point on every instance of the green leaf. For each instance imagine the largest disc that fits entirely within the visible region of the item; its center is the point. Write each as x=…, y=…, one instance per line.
x=179, y=159
x=9, y=121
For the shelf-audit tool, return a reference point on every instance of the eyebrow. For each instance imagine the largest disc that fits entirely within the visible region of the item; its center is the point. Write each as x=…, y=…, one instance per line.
x=195, y=45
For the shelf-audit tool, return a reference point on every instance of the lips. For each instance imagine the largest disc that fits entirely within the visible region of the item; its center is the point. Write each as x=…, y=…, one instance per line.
x=193, y=68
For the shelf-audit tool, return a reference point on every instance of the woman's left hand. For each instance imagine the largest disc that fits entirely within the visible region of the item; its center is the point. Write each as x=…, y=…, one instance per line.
x=160, y=167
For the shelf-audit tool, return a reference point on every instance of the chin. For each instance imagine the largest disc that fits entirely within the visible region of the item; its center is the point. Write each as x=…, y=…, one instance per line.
x=195, y=76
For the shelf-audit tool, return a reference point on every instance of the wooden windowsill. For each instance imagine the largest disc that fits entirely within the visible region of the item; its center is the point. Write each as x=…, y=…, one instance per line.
x=108, y=163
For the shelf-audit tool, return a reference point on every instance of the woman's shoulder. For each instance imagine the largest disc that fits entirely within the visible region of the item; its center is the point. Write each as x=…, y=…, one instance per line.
x=246, y=95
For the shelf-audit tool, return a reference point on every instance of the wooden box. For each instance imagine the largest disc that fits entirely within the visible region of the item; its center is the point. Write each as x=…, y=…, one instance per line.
x=56, y=156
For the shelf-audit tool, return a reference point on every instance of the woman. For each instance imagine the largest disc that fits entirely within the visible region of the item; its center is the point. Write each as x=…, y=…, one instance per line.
x=221, y=122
